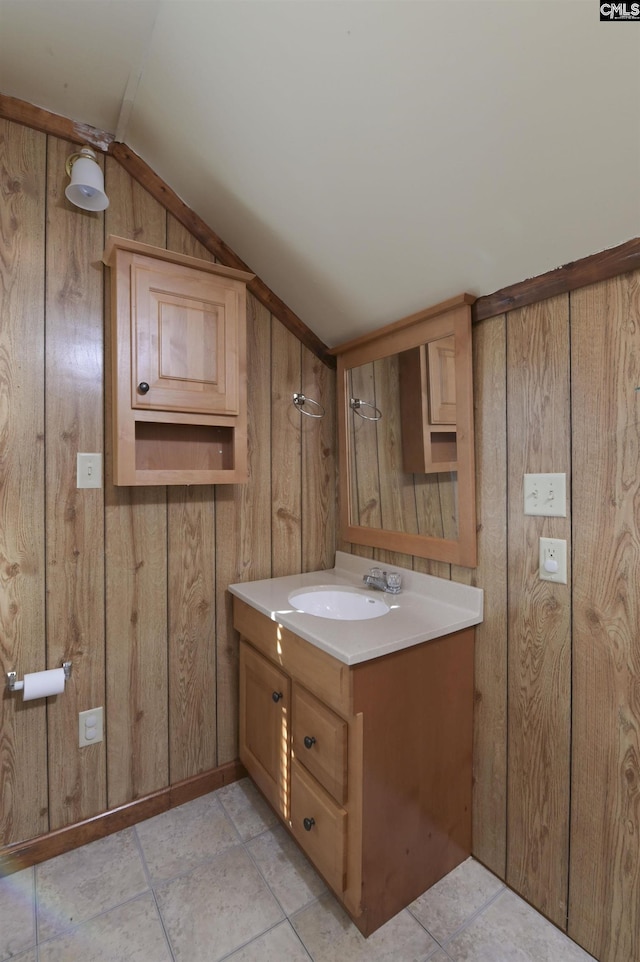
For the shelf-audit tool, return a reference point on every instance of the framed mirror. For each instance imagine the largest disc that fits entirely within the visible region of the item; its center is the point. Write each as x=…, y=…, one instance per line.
x=405, y=434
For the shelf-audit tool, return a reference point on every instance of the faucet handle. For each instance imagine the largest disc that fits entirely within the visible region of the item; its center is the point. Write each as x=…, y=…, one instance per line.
x=375, y=572
x=394, y=580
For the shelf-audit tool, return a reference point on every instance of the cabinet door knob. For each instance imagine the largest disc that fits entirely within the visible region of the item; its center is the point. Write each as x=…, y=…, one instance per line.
x=309, y=741
x=143, y=387
x=277, y=695
x=308, y=823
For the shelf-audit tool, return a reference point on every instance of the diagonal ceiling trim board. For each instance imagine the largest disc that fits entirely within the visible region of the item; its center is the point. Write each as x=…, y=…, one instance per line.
x=24, y=113
x=145, y=176
x=561, y=280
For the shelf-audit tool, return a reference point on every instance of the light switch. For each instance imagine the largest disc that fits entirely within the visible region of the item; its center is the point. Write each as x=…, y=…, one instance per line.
x=545, y=495
x=553, y=560
x=89, y=471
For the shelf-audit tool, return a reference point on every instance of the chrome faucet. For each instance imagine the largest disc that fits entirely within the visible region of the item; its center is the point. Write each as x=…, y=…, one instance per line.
x=381, y=581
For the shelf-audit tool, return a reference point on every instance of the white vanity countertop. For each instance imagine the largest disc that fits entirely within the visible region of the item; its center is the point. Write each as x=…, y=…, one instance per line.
x=426, y=608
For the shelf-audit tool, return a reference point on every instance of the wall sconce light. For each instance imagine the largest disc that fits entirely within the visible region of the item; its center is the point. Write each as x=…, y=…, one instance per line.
x=86, y=189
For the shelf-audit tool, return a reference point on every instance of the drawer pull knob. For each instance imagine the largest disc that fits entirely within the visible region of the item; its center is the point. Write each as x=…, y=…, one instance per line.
x=308, y=823
x=309, y=741
x=277, y=695
x=143, y=387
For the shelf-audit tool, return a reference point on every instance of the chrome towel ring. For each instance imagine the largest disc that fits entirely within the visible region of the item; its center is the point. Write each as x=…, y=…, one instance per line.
x=300, y=400
x=355, y=404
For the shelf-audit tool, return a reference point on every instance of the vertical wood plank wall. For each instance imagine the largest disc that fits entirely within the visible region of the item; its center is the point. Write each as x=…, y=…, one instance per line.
x=131, y=583
x=128, y=583
x=556, y=808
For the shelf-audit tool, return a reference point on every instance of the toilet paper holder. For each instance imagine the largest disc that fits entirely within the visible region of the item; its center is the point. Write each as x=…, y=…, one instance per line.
x=14, y=685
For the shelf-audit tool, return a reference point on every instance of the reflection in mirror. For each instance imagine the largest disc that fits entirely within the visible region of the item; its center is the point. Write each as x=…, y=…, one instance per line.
x=406, y=463
x=385, y=491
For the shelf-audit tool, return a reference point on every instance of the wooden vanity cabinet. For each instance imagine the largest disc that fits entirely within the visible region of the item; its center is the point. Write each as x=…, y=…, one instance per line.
x=369, y=766
x=178, y=327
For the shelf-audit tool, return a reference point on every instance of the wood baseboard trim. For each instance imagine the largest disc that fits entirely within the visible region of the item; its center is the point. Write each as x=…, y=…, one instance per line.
x=36, y=850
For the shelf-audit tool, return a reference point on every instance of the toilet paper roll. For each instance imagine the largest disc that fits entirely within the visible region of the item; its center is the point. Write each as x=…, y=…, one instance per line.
x=41, y=684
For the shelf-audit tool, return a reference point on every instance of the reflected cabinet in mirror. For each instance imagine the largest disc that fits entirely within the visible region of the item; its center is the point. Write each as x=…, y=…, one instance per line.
x=405, y=403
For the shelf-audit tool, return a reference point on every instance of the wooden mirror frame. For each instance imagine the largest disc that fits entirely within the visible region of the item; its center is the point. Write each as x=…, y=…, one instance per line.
x=450, y=317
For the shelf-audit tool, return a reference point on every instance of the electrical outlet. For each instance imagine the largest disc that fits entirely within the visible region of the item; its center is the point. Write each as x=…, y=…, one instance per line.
x=90, y=726
x=553, y=560
x=545, y=495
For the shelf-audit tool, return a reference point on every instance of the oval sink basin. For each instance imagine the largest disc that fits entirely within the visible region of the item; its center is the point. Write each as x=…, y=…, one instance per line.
x=331, y=601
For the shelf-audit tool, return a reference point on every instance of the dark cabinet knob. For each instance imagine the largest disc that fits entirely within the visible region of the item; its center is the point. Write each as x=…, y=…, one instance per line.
x=308, y=823
x=309, y=741
x=143, y=387
x=277, y=695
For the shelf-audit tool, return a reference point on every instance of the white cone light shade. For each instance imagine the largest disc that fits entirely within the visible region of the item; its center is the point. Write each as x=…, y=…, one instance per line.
x=86, y=189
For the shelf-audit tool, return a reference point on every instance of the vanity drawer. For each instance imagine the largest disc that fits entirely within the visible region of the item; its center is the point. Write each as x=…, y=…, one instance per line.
x=320, y=742
x=320, y=827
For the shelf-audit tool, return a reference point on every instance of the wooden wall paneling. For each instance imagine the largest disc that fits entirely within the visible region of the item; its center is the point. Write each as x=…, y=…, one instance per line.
x=365, y=474
x=243, y=525
x=191, y=603
x=539, y=613
x=397, y=492
x=490, y=708
x=286, y=441
x=604, y=903
x=192, y=626
x=136, y=572
x=23, y=735
x=74, y=518
x=318, y=466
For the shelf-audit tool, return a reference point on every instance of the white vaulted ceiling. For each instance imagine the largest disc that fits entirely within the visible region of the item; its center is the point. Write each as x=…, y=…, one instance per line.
x=365, y=158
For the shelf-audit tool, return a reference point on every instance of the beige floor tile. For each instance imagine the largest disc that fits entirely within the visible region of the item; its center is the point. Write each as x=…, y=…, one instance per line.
x=281, y=944
x=78, y=885
x=452, y=901
x=17, y=915
x=290, y=876
x=30, y=956
x=330, y=936
x=217, y=908
x=176, y=841
x=129, y=933
x=246, y=808
x=509, y=930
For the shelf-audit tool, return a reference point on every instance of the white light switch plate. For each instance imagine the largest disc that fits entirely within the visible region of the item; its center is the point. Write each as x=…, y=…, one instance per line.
x=89, y=471
x=545, y=495
x=553, y=560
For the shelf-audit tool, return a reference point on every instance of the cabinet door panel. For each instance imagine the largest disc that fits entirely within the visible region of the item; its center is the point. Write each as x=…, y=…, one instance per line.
x=265, y=696
x=185, y=339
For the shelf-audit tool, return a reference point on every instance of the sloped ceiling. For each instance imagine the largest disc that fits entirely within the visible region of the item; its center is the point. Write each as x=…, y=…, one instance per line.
x=366, y=159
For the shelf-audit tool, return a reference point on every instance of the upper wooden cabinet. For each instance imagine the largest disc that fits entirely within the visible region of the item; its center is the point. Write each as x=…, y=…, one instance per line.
x=178, y=367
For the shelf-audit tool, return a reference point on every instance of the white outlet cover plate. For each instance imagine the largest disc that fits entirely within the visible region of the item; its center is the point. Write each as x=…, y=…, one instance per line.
x=555, y=550
x=90, y=726
x=545, y=495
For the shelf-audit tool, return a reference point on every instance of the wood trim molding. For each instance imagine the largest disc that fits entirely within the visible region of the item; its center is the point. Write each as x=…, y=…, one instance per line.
x=580, y=273
x=24, y=113
x=36, y=850
x=21, y=112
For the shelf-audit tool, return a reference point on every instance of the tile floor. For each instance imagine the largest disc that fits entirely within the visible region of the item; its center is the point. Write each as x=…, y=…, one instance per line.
x=218, y=879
